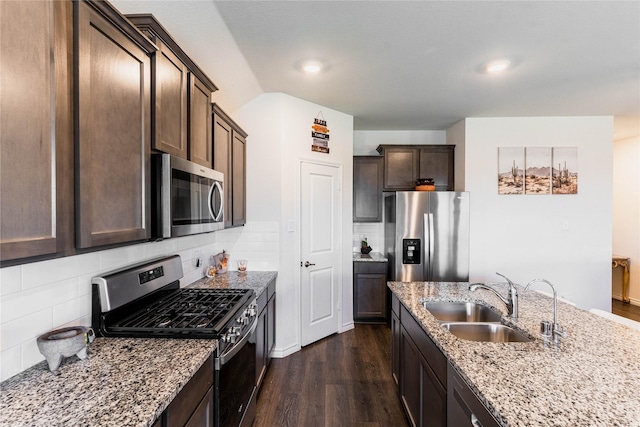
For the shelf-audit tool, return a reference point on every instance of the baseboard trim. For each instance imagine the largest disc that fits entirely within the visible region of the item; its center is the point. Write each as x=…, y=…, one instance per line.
x=347, y=327
x=632, y=301
x=279, y=353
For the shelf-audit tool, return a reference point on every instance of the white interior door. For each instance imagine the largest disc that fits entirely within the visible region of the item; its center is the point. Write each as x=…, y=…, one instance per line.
x=320, y=223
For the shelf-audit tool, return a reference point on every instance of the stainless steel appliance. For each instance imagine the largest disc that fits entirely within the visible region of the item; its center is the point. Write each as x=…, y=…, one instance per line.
x=187, y=198
x=427, y=236
x=145, y=300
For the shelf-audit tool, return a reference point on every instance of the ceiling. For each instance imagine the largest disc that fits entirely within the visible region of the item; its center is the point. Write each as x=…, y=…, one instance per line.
x=416, y=65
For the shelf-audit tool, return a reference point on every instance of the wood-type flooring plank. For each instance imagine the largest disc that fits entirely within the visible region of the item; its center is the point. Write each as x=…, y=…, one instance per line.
x=342, y=380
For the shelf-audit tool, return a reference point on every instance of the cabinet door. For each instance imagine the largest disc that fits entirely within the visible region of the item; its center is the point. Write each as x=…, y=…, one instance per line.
x=271, y=327
x=400, y=168
x=463, y=407
x=203, y=415
x=199, y=122
x=112, y=174
x=238, y=196
x=261, y=347
x=222, y=137
x=438, y=163
x=170, y=92
x=410, y=377
x=367, y=188
x=395, y=341
x=370, y=297
x=36, y=206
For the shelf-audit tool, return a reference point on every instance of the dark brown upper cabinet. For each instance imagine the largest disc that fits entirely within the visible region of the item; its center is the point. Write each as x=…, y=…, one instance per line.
x=180, y=96
x=403, y=164
x=367, y=188
x=229, y=157
x=36, y=124
x=113, y=125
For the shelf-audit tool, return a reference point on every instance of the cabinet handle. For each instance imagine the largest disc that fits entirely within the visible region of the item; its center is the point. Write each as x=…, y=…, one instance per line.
x=475, y=422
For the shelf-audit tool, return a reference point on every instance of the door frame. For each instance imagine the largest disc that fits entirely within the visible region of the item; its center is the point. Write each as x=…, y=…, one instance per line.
x=298, y=249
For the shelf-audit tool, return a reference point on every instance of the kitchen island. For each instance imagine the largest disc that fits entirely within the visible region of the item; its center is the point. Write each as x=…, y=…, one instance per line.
x=123, y=382
x=591, y=379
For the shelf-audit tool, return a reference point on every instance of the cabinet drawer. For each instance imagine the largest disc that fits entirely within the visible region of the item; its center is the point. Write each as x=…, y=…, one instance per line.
x=430, y=352
x=369, y=267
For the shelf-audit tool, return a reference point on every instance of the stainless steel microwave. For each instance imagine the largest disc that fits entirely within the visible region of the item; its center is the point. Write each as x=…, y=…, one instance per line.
x=187, y=198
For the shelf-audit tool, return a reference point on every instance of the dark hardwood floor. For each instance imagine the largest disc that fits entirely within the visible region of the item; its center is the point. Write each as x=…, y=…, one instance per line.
x=625, y=310
x=342, y=380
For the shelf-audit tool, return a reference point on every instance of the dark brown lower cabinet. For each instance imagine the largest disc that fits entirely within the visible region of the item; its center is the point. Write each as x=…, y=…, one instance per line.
x=265, y=331
x=463, y=407
x=431, y=390
x=370, y=293
x=422, y=375
x=395, y=338
x=193, y=406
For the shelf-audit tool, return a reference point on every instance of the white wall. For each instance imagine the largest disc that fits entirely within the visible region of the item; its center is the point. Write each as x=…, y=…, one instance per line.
x=365, y=142
x=522, y=236
x=279, y=128
x=626, y=213
x=38, y=297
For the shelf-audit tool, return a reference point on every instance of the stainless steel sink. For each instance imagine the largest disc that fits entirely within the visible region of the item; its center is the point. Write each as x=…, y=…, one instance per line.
x=493, y=332
x=461, y=312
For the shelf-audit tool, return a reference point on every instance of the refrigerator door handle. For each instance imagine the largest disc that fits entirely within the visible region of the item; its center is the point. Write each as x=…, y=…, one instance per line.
x=428, y=246
x=432, y=249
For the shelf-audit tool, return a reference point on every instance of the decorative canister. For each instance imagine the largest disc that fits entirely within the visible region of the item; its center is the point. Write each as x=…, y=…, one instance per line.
x=425, y=184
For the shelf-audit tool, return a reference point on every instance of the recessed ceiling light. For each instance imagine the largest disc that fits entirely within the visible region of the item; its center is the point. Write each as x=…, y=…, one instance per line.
x=497, y=66
x=312, y=66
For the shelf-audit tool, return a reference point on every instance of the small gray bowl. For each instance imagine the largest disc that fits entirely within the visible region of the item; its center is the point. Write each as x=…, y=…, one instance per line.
x=65, y=342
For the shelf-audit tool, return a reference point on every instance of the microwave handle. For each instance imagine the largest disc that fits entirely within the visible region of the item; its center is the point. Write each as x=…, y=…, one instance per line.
x=217, y=216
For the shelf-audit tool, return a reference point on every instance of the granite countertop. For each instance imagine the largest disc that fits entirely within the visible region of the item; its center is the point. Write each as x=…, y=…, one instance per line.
x=123, y=382
x=370, y=257
x=256, y=280
x=591, y=379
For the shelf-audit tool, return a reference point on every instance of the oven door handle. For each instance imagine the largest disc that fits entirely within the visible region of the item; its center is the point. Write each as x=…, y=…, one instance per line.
x=228, y=354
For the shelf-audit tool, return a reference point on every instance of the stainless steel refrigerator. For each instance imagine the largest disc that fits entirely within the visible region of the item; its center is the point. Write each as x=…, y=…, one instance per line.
x=427, y=236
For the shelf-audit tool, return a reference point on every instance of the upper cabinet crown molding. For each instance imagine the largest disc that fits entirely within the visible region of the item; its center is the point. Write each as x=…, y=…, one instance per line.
x=224, y=116
x=148, y=24
x=121, y=22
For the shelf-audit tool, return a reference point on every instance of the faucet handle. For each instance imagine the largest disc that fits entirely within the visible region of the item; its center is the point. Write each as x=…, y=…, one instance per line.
x=558, y=331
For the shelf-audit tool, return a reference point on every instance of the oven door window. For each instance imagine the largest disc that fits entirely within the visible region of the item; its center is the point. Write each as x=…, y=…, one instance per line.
x=194, y=199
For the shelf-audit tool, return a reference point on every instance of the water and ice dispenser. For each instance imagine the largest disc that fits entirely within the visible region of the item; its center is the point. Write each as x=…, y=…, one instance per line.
x=411, y=251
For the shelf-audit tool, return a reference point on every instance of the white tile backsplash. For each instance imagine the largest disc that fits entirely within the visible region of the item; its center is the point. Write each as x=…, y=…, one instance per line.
x=38, y=297
x=10, y=280
x=31, y=301
x=373, y=231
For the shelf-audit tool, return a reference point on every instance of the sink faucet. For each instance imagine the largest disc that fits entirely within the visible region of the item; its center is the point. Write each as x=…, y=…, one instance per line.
x=556, y=330
x=511, y=302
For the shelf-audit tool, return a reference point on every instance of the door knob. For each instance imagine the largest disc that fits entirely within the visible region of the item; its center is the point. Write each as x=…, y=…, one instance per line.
x=307, y=264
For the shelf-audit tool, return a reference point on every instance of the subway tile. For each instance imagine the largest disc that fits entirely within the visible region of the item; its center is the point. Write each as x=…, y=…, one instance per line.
x=31, y=301
x=40, y=273
x=30, y=353
x=10, y=280
x=71, y=310
x=25, y=328
x=120, y=257
x=10, y=362
x=161, y=248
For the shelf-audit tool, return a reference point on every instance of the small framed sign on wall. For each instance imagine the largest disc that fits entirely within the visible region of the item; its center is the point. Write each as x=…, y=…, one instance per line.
x=320, y=135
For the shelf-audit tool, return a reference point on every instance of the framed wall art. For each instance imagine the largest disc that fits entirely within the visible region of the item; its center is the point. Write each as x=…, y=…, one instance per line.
x=537, y=173
x=565, y=170
x=510, y=170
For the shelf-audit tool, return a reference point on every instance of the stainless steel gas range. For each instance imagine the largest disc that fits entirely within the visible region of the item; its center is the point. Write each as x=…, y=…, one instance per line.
x=145, y=300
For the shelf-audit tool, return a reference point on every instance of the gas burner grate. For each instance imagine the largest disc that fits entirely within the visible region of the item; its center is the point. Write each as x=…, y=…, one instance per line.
x=187, y=310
